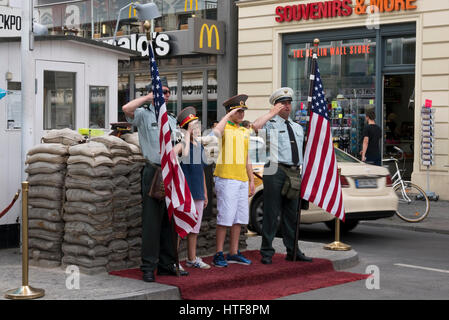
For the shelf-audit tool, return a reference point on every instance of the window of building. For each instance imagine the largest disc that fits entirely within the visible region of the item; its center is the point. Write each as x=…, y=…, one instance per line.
x=192, y=91
x=347, y=70
x=98, y=107
x=211, y=98
x=400, y=50
x=97, y=18
x=59, y=100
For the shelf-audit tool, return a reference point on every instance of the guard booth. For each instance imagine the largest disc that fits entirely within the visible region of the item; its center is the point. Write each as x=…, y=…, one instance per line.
x=76, y=87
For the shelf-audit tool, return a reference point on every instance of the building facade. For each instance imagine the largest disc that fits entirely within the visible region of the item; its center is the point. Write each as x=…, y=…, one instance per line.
x=387, y=55
x=201, y=71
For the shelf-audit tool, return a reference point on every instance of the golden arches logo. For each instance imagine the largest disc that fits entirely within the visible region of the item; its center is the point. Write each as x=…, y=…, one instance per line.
x=209, y=36
x=132, y=12
x=191, y=5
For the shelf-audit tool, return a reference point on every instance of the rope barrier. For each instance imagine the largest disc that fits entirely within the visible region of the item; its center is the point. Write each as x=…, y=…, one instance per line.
x=10, y=205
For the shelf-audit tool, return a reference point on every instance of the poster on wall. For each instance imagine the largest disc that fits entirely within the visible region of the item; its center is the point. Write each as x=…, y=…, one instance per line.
x=14, y=109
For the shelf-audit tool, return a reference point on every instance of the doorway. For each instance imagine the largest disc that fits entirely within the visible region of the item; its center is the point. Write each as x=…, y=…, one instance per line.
x=399, y=119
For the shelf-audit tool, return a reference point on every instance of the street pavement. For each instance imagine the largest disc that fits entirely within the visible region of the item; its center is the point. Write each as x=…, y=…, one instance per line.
x=59, y=285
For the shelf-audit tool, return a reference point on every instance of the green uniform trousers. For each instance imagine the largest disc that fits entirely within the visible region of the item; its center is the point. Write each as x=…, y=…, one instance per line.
x=157, y=232
x=275, y=205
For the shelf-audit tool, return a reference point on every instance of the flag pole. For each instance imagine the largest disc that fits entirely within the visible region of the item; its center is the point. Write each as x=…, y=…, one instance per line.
x=316, y=42
x=147, y=26
x=337, y=245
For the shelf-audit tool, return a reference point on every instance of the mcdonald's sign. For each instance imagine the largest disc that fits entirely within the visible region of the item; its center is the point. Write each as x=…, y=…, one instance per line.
x=208, y=36
x=191, y=5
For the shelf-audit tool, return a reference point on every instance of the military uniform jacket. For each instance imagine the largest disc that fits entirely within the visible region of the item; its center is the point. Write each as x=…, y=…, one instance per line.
x=278, y=140
x=146, y=122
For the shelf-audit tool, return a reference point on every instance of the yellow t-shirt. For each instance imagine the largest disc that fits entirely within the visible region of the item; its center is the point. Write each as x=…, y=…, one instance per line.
x=231, y=162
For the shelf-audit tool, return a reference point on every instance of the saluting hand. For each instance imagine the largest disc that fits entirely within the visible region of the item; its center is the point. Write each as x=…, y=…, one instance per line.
x=276, y=109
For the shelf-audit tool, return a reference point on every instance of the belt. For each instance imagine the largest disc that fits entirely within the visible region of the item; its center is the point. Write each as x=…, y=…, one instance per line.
x=290, y=166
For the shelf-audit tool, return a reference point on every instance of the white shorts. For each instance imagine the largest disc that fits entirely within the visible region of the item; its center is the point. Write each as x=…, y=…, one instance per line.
x=232, y=201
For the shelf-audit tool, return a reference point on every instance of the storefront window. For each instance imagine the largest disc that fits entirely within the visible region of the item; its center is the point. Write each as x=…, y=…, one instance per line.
x=400, y=51
x=348, y=73
x=59, y=100
x=98, y=106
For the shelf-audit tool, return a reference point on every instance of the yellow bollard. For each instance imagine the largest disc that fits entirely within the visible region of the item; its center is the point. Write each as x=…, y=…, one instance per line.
x=25, y=292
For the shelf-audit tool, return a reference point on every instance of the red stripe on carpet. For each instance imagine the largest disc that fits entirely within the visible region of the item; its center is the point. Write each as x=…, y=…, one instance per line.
x=254, y=282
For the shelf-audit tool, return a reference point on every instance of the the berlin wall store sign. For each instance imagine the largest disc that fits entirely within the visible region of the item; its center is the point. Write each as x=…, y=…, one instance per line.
x=340, y=8
x=10, y=22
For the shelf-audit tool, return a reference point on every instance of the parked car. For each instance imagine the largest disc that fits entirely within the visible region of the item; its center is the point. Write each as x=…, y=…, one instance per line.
x=367, y=192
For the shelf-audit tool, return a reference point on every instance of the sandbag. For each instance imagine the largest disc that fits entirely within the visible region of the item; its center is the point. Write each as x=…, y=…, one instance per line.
x=78, y=250
x=120, y=182
x=121, y=169
x=44, y=203
x=46, y=225
x=91, y=161
x=88, y=183
x=45, y=157
x=88, y=196
x=44, y=167
x=135, y=149
x=78, y=228
x=45, y=192
x=47, y=179
x=112, y=142
x=64, y=136
x=99, y=221
x=53, y=215
x=52, y=148
x=134, y=232
x=131, y=138
x=44, y=245
x=37, y=254
x=137, y=222
x=84, y=169
x=45, y=235
x=116, y=152
x=74, y=207
x=83, y=240
x=90, y=149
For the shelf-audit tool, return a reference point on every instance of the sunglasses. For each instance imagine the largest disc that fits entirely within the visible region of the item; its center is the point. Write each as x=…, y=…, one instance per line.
x=166, y=91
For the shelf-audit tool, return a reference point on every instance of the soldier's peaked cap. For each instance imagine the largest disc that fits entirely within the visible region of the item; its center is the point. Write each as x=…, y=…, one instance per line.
x=238, y=101
x=281, y=94
x=186, y=115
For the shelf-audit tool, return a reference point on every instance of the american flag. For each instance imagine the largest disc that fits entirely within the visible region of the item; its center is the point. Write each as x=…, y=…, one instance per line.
x=320, y=180
x=178, y=198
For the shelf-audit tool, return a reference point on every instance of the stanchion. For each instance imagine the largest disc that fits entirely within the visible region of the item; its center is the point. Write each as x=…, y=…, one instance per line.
x=337, y=245
x=25, y=291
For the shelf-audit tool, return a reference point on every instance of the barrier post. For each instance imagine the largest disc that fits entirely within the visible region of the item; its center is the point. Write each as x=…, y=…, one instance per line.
x=25, y=292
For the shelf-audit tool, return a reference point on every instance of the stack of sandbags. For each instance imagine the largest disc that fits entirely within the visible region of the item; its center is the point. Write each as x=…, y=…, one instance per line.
x=134, y=209
x=46, y=173
x=120, y=152
x=88, y=208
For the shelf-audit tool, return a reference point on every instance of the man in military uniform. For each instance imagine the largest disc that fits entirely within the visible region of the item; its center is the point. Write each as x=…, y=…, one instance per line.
x=285, y=138
x=158, y=249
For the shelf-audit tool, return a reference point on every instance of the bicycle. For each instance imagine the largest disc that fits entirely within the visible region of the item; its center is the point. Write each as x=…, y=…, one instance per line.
x=413, y=204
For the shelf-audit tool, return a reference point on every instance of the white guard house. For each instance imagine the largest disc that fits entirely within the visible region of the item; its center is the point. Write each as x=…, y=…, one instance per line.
x=75, y=86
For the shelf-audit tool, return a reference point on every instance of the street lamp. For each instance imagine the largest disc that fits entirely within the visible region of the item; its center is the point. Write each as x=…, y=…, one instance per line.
x=148, y=11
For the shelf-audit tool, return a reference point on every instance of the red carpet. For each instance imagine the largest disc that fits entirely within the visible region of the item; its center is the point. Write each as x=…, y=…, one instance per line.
x=254, y=282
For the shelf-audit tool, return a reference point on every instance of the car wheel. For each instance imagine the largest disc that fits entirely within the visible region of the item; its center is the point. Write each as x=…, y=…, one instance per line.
x=256, y=216
x=344, y=226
